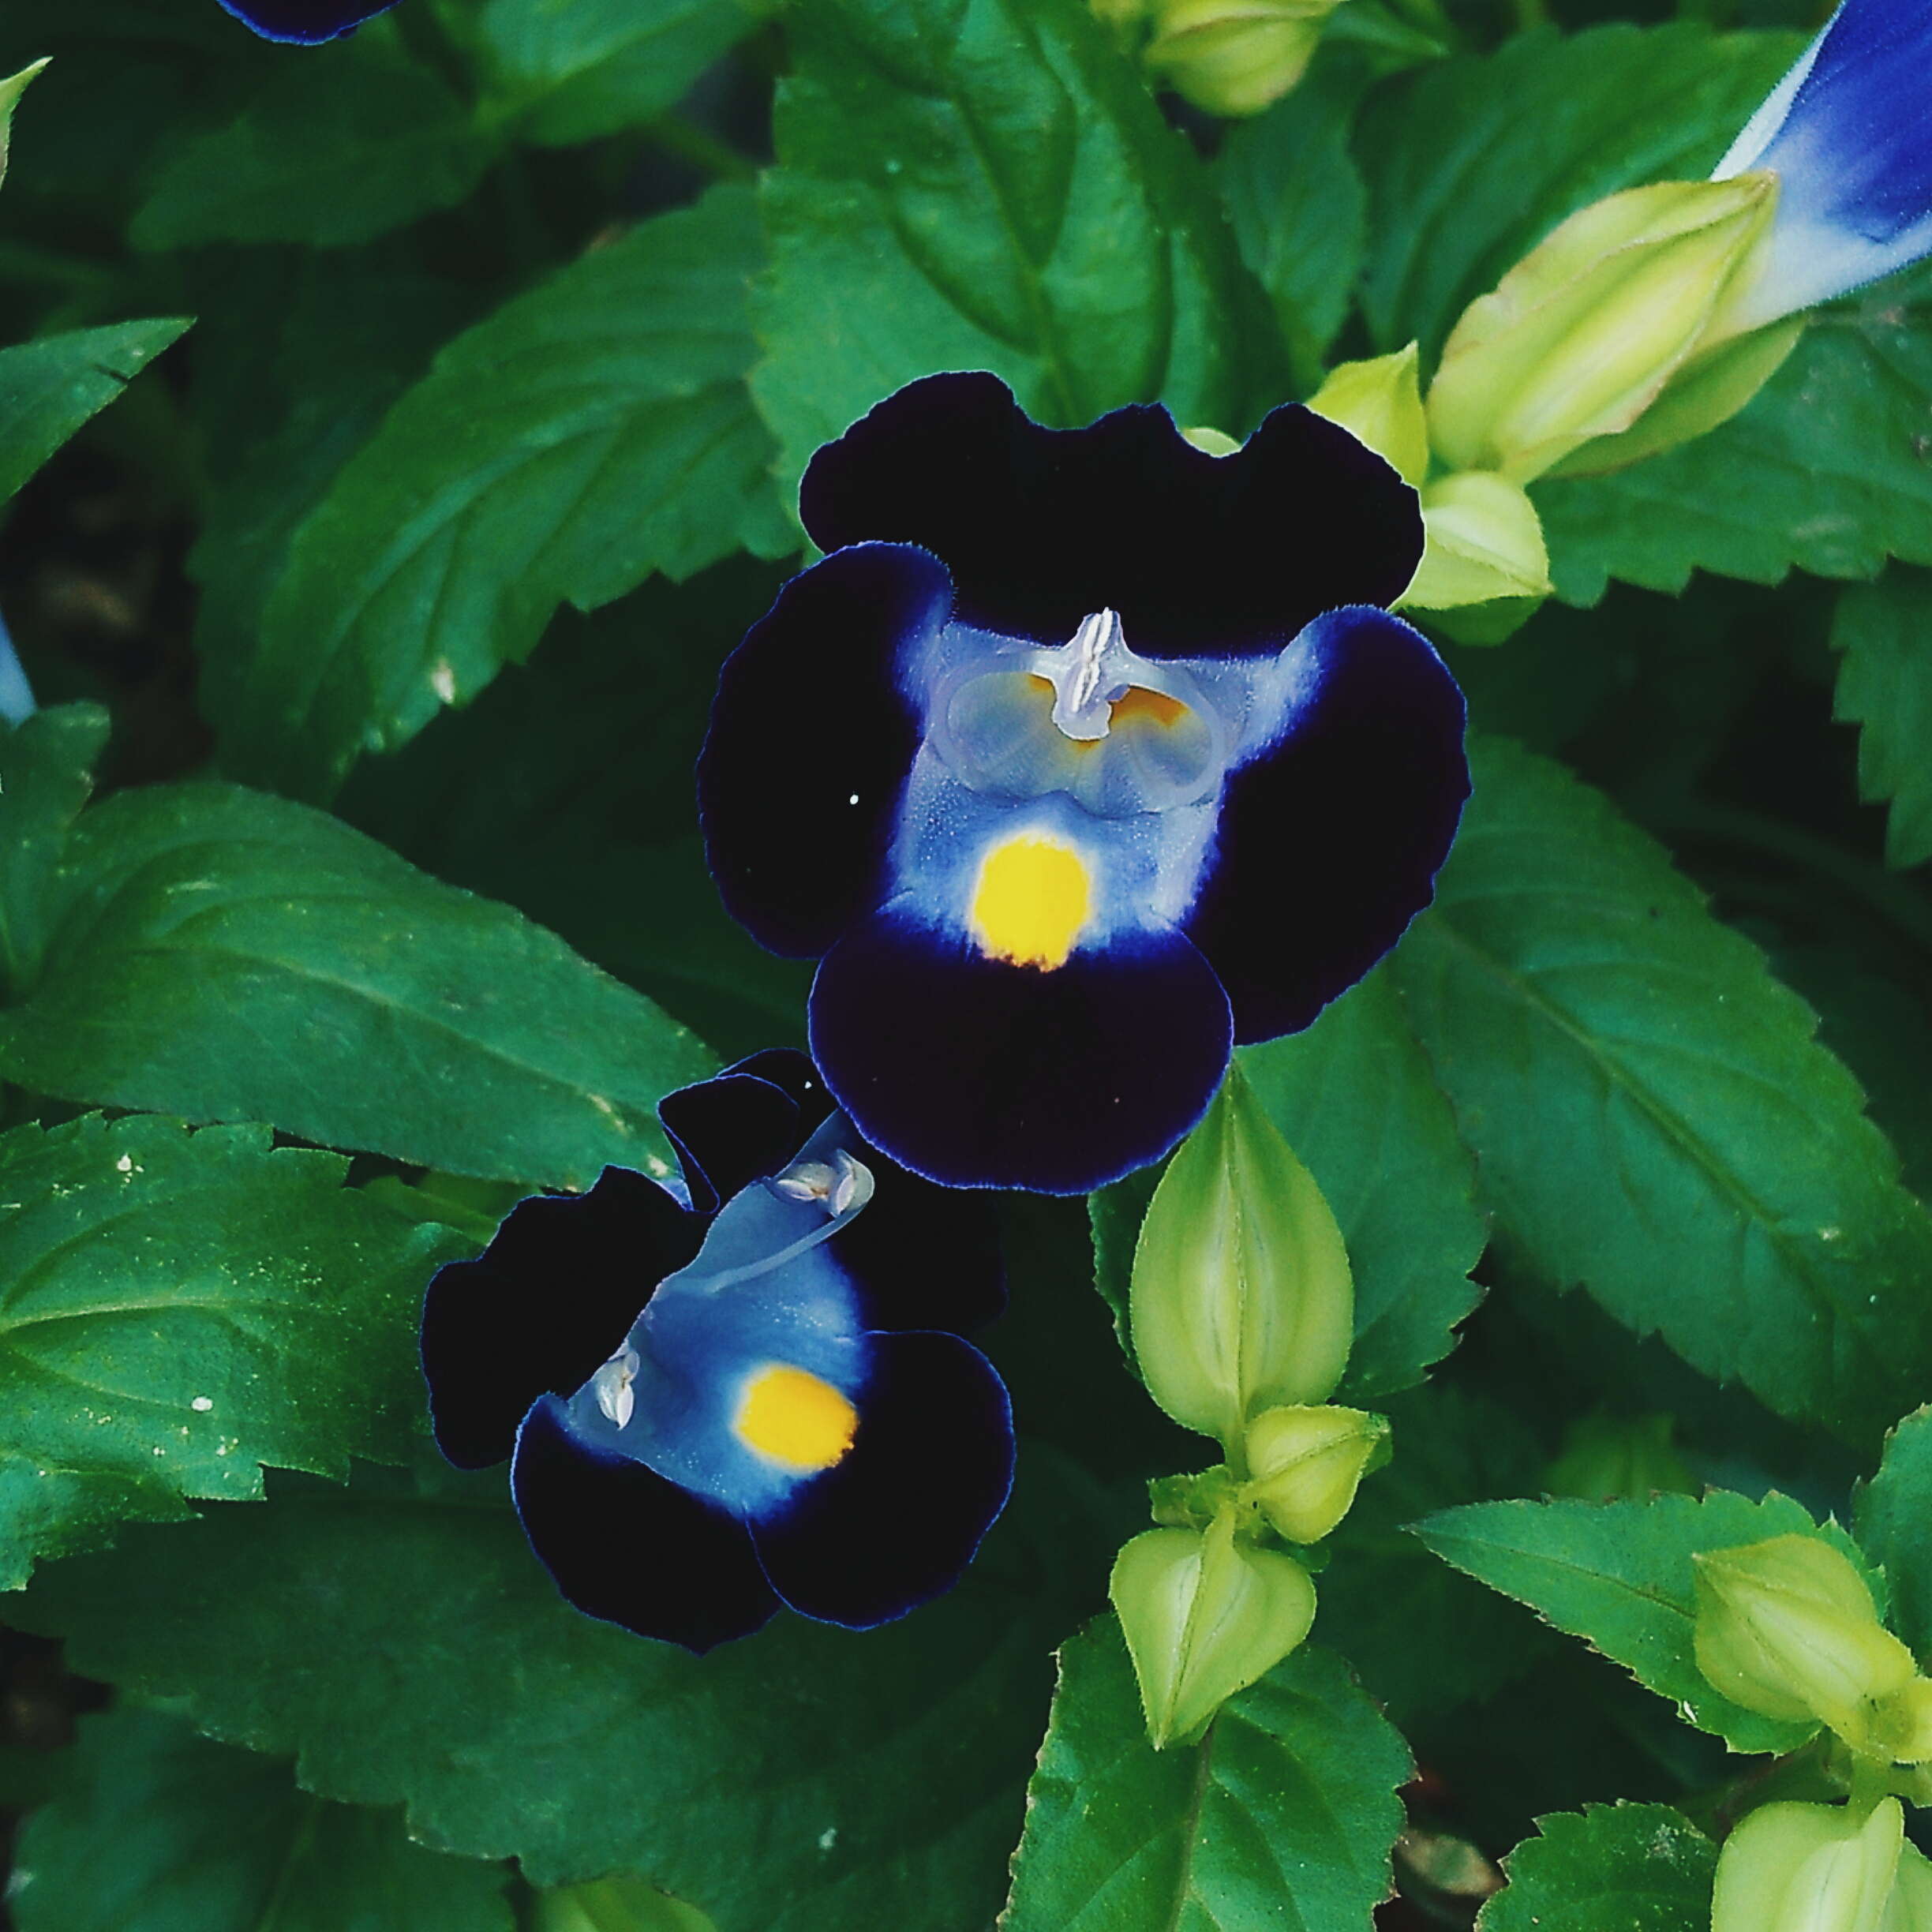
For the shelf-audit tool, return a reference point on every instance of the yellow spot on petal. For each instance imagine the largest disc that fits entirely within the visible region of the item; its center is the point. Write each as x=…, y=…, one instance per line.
x=793, y=1417
x=1032, y=896
x=1138, y=701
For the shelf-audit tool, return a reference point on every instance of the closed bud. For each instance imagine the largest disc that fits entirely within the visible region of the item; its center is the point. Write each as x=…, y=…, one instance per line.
x=1305, y=1464
x=1809, y=1868
x=1241, y=1298
x=1580, y=338
x=1210, y=442
x=1204, y=1615
x=1710, y=389
x=1484, y=556
x=1379, y=401
x=11, y=89
x=1234, y=57
x=1901, y=1725
x=1787, y=1627
x=1909, y=1909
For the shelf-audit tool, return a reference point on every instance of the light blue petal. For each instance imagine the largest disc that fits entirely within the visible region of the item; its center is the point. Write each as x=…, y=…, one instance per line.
x=17, y=698
x=1848, y=133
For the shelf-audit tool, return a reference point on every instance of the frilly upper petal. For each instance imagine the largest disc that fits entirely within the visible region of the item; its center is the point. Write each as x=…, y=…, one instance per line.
x=1039, y=528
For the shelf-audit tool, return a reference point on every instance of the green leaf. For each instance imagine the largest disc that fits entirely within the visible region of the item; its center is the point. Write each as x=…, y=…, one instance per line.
x=1353, y=1095
x=1300, y=210
x=1471, y=162
x=1281, y=1817
x=573, y=70
x=1450, y=1446
x=807, y=1779
x=156, y=1830
x=49, y=388
x=589, y=432
x=619, y=1905
x=345, y=143
x=1824, y=471
x=1651, y=1116
x=1620, y=1576
x=1885, y=686
x=988, y=183
x=178, y=1310
x=1617, y=1868
x=224, y=955
x=1891, y=1514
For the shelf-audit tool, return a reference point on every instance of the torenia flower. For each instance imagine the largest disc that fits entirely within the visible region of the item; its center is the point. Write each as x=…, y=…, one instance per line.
x=1083, y=755
x=306, y=23
x=744, y=1391
x=1847, y=134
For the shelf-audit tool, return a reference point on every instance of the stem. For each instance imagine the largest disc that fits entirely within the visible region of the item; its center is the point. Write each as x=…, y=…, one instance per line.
x=1870, y=1784
x=689, y=142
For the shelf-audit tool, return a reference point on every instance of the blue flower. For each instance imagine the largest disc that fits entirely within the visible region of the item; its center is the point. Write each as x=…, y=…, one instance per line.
x=1083, y=755
x=745, y=1391
x=1848, y=133
x=305, y=23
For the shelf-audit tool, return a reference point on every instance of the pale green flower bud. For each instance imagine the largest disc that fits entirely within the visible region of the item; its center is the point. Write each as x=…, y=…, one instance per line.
x=1213, y=442
x=1204, y=1616
x=1234, y=57
x=1242, y=1298
x=1787, y=1627
x=1379, y=401
x=1710, y=389
x=1579, y=339
x=619, y=1905
x=11, y=89
x=1306, y=1463
x=1484, y=551
x=1809, y=1868
x=1901, y=1725
x=1909, y=1909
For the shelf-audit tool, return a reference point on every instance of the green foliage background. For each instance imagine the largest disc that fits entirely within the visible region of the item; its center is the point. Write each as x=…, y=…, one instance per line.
x=349, y=886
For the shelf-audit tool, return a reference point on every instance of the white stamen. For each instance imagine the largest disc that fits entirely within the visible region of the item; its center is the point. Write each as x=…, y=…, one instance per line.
x=612, y=1386
x=808, y=1181
x=854, y=1186
x=1097, y=647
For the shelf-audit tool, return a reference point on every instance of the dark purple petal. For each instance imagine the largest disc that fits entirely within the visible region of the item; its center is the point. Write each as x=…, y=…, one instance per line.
x=626, y=1544
x=544, y=1304
x=730, y=1131
x=305, y=22
x=977, y=1073
x=1330, y=843
x=898, y=1521
x=1202, y=555
x=810, y=741
x=792, y=1072
x=922, y=1256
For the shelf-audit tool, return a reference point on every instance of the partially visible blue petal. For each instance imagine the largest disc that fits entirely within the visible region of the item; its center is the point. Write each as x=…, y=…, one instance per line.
x=792, y=1073
x=1199, y=555
x=624, y=1544
x=16, y=699
x=898, y=1520
x=729, y=1131
x=306, y=23
x=550, y=1297
x=1332, y=835
x=811, y=740
x=978, y=1073
x=1848, y=132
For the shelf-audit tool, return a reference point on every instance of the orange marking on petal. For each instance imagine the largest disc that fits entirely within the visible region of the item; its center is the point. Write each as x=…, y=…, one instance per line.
x=1139, y=702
